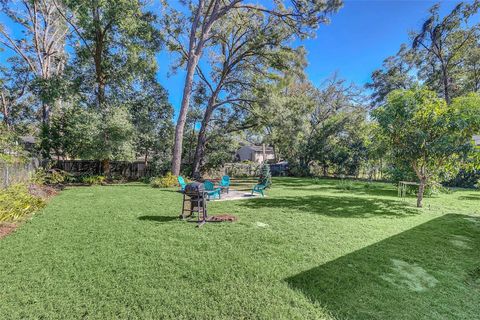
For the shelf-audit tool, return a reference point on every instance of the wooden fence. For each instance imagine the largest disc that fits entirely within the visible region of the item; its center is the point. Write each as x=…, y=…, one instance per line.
x=128, y=170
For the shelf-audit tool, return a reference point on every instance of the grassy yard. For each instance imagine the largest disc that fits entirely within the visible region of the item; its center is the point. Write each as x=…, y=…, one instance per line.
x=310, y=250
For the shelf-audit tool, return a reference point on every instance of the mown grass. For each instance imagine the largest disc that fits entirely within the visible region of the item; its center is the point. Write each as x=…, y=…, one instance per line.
x=310, y=250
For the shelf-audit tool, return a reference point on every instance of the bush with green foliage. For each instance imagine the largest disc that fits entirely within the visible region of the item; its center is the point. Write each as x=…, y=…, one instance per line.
x=49, y=177
x=167, y=181
x=93, y=180
x=345, y=185
x=265, y=175
x=16, y=202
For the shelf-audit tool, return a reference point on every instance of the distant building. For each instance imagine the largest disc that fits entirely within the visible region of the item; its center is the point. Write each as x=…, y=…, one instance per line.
x=28, y=142
x=476, y=139
x=255, y=154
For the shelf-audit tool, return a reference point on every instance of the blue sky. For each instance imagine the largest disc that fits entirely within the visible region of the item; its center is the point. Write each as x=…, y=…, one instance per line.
x=360, y=36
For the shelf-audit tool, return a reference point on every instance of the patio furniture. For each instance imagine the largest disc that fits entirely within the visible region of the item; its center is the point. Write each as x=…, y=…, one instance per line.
x=182, y=183
x=211, y=191
x=403, y=188
x=258, y=188
x=225, y=183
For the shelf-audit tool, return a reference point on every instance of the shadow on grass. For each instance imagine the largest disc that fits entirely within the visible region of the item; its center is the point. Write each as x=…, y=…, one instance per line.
x=421, y=273
x=341, y=206
x=158, y=218
x=472, y=196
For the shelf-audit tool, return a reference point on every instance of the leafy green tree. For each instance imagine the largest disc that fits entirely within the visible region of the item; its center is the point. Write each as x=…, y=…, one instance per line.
x=152, y=120
x=40, y=46
x=117, y=42
x=425, y=132
x=249, y=51
x=10, y=149
x=442, y=44
x=303, y=17
x=73, y=131
x=394, y=74
x=16, y=102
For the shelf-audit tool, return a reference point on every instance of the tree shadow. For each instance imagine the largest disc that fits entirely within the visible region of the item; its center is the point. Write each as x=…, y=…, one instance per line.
x=341, y=206
x=303, y=182
x=158, y=218
x=421, y=273
x=472, y=196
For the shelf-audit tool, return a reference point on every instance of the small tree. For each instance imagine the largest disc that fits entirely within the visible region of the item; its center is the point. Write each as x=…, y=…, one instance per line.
x=265, y=175
x=425, y=132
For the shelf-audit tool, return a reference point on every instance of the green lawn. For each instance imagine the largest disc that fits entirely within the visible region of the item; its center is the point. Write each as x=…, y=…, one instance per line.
x=308, y=251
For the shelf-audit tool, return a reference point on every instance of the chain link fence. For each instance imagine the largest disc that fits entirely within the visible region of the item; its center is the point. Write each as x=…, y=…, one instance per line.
x=20, y=172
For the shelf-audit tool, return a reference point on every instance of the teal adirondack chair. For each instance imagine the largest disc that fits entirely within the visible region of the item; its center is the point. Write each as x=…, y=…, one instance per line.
x=211, y=191
x=225, y=183
x=182, y=183
x=259, y=188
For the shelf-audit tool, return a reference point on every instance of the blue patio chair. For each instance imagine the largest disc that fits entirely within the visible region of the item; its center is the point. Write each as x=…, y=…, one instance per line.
x=225, y=183
x=182, y=183
x=259, y=188
x=211, y=191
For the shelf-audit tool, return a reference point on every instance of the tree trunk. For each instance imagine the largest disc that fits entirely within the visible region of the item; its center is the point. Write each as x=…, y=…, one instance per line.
x=264, y=153
x=202, y=140
x=446, y=87
x=106, y=167
x=45, y=114
x=182, y=118
x=421, y=191
x=422, y=177
x=5, y=113
x=275, y=156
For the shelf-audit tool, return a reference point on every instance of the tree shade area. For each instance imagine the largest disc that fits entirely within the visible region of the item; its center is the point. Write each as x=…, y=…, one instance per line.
x=310, y=249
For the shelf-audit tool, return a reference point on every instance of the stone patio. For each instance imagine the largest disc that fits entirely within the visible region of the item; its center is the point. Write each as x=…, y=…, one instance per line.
x=237, y=195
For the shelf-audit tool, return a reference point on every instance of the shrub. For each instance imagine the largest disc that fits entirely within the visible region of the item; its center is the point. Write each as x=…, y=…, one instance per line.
x=93, y=179
x=49, y=177
x=167, y=181
x=16, y=202
x=265, y=176
x=345, y=185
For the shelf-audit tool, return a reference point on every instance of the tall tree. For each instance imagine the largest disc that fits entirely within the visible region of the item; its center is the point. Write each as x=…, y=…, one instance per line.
x=14, y=96
x=442, y=44
x=152, y=119
x=394, y=74
x=116, y=42
x=302, y=16
x=249, y=50
x=42, y=45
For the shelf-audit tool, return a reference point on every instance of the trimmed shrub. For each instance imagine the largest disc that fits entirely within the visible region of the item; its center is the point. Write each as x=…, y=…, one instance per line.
x=167, y=181
x=16, y=202
x=265, y=176
x=95, y=180
x=49, y=177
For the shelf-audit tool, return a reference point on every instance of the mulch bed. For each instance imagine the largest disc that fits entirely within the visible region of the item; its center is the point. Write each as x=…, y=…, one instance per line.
x=222, y=217
x=6, y=229
x=44, y=192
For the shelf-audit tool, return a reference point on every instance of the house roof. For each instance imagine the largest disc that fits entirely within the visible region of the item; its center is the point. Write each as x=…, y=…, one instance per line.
x=28, y=139
x=476, y=138
x=260, y=148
